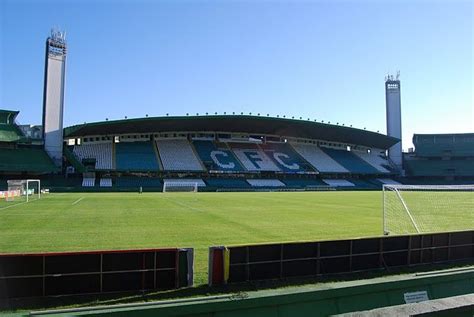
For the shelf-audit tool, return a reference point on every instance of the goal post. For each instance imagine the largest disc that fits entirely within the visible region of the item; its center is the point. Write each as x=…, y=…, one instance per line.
x=175, y=186
x=23, y=189
x=411, y=209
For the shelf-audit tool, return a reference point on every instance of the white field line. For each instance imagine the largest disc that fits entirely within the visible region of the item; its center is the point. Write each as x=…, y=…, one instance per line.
x=3, y=208
x=77, y=201
x=181, y=204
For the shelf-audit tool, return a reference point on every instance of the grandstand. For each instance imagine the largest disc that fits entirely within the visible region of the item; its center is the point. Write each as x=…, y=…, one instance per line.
x=135, y=156
x=178, y=155
x=99, y=154
x=443, y=156
x=232, y=152
x=286, y=157
x=223, y=153
x=444, y=145
x=8, y=133
x=350, y=161
x=229, y=152
x=377, y=160
x=217, y=156
x=319, y=159
x=253, y=158
x=18, y=154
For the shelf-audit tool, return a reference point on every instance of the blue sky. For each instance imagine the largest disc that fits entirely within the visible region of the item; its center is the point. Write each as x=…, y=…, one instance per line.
x=318, y=59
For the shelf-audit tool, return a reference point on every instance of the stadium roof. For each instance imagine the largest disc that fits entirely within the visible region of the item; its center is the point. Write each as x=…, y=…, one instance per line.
x=9, y=132
x=8, y=116
x=236, y=124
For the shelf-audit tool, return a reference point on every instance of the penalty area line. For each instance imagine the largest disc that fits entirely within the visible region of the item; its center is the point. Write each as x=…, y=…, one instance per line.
x=77, y=201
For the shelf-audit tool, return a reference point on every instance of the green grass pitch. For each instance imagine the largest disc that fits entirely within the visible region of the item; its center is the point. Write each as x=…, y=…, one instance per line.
x=99, y=221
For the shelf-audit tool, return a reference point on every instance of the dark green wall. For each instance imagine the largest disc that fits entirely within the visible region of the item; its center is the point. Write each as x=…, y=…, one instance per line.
x=327, y=299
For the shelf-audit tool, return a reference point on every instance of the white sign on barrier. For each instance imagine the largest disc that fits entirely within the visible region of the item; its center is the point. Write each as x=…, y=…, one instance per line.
x=416, y=297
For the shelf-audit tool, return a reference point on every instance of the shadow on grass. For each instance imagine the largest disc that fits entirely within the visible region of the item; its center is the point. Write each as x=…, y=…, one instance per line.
x=239, y=291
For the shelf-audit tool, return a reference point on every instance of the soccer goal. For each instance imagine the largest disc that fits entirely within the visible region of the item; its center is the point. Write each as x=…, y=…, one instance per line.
x=23, y=190
x=180, y=187
x=409, y=209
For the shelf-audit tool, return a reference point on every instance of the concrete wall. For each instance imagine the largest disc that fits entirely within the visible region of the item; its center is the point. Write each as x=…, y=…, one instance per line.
x=327, y=299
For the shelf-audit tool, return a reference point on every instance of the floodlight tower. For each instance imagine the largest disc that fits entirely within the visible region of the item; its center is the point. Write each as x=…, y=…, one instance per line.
x=53, y=95
x=394, y=117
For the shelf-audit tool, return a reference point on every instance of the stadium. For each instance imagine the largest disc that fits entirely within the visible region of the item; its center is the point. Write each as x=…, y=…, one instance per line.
x=225, y=202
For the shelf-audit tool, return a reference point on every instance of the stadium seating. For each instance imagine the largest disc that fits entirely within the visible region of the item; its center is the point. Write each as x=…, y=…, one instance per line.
x=105, y=182
x=454, y=167
x=73, y=160
x=227, y=183
x=388, y=181
x=10, y=133
x=285, y=157
x=88, y=182
x=444, y=145
x=318, y=159
x=135, y=156
x=178, y=155
x=376, y=160
x=265, y=183
x=217, y=158
x=441, y=155
x=350, y=161
x=304, y=183
x=252, y=157
x=101, y=152
x=136, y=182
x=338, y=183
x=26, y=160
x=365, y=184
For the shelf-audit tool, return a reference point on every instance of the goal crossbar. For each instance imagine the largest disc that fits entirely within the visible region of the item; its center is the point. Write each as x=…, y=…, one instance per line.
x=177, y=186
x=24, y=187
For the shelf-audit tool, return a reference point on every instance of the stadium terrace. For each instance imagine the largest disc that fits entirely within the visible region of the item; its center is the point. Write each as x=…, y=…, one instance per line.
x=231, y=144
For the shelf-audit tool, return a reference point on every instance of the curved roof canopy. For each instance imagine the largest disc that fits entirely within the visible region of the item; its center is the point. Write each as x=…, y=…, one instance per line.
x=235, y=124
x=8, y=116
x=9, y=131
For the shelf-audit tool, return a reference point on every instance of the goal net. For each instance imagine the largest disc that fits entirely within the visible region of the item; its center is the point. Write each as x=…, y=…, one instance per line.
x=409, y=209
x=23, y=190
x=180, y=187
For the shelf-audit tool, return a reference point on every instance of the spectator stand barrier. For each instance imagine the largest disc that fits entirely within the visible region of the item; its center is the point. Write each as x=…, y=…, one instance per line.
x=284, y=260
x=76, y=273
